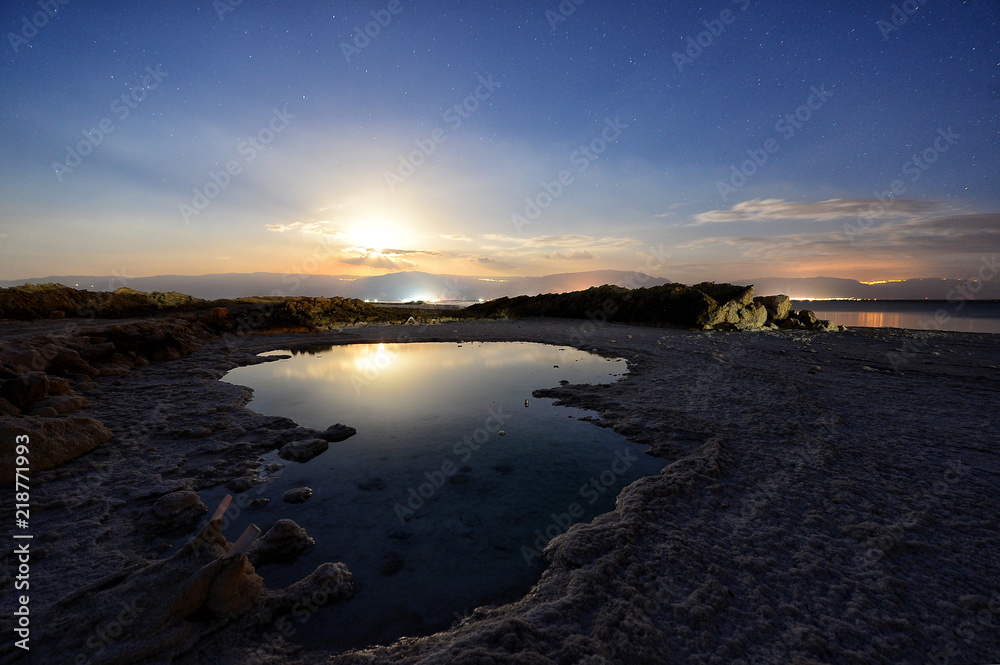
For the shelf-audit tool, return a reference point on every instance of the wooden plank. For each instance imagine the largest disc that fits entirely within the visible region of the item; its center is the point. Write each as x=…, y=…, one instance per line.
x=223, y=507
x=243, y=544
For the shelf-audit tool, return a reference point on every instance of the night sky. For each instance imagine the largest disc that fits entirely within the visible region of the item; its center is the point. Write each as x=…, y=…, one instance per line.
x=719, y=140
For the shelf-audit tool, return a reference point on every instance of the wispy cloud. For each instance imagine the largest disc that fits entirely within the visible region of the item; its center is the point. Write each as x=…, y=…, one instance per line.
x=582, y=255
x=941, y=244
x=319, y=228
x=763, y=210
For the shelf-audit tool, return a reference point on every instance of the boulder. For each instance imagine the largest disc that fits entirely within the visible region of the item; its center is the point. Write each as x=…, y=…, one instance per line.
x=8, y=409
x=807, y=318
x=778, y=307
x=59, y=404
x=282, y=543
x=751, y=317
x=67, y=361
x=332, y=582
x=60, y=386
x=724, y=293
x=297, y=495
x=303, y=451
x=338, y=432
x=25, y=389
x=179, y=508
x=53, y=440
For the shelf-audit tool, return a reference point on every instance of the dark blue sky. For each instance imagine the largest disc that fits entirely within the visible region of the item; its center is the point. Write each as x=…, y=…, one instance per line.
x=364, y=164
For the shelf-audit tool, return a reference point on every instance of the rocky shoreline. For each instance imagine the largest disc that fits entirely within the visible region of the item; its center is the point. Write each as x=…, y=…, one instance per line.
x=823, y=499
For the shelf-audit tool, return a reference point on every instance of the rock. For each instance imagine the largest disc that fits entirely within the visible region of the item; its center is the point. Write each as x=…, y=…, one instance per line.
x=237, y=586
x=283, y=543
x=53, y=440
x=303, y=451
x=297, y=434
x=60, y=386
x=297, y=495
x=179, y=508
x=59, y=404
x=778, y=307
x=25, y=389
x=331, y=582
x=219, y=313
x=169, y=605
x=807, y=318
x=8, y=409
x=57, y=314
x=751, y=317
x=44, y=412
x=22, y=360
x=259, y=502
x=724, y=293
x=67, y=361
x=242, y=483
x=338, y=432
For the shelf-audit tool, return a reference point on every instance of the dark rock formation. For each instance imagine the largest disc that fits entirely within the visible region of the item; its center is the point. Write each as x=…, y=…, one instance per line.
x=283, y=543
x=338, y=432
x=297, y=495
x=177, y=509
x=53, y=440
x=303, y=451
x=705, y=306
x=167, y=607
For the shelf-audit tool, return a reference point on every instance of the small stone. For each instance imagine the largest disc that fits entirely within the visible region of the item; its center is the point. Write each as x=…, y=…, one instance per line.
x=338, y=432
x=179, y=508
x=297, y=495
x=259, y=503
x=303, y=451
x=283, y=542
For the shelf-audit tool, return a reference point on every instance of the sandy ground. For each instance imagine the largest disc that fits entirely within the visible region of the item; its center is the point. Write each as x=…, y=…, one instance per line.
x=829, y=498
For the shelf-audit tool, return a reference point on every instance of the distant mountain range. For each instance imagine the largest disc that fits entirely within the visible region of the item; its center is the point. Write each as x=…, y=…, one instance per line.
x=806, y=288
x=390, y=287
x=424, y=286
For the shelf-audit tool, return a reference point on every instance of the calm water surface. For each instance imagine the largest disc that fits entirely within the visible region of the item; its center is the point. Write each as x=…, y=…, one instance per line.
x=964, y=316
x=432, y=509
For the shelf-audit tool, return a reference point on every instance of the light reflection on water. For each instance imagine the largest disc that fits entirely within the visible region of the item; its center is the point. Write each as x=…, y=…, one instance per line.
x=419, y=408
x=977, y=317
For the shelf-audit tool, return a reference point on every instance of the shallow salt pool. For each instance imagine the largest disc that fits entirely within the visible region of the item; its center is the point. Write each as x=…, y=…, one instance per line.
x=442, y=500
